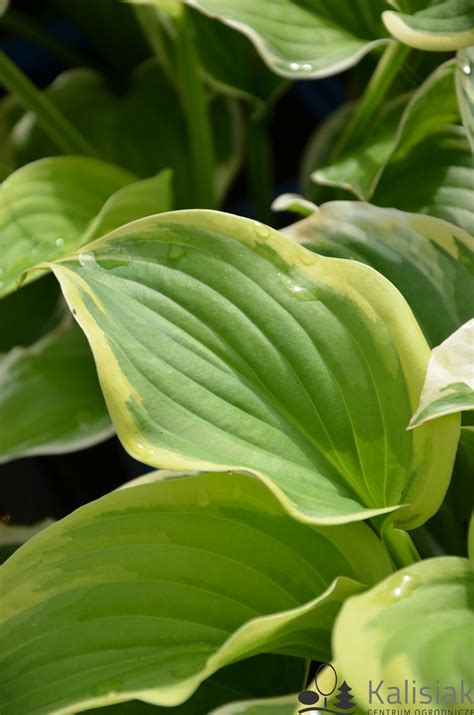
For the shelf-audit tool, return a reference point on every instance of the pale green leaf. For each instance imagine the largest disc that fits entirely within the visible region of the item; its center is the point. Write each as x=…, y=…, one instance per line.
x=311, y=39
x=148, y=591
x=46, y=207
x=465, y=89
x=436, y=25
x=144, y=130
x=430, y=261
x=402, y=124
x=50, y=401
x=415, y=627
x=142, y=198
x=449, y=382
x=222, y=344
x=295, y=204
x=436, y=177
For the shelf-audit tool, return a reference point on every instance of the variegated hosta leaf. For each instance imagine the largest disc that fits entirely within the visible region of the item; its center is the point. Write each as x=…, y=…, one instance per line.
x=46, y=207
x=438, y=25
x=401, y=125
x=415, y=627
x=259, y=677
x=222, y=344
x=311, y=39
x=52, y=206
x=268, y=706
x=124, y=129
x=150, y=590
x=436, y=177
x=449, y=383
x=465, y=89
x=430, y=261
x=50, y=401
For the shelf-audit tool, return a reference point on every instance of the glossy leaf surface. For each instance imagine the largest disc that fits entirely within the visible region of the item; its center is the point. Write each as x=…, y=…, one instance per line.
x=150, y=590
x=221, y=344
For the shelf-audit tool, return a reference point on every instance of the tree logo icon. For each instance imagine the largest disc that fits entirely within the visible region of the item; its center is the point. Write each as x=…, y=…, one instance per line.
x=325, y=682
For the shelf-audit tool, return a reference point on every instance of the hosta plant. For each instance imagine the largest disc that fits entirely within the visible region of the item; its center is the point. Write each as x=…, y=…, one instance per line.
x=302, y=396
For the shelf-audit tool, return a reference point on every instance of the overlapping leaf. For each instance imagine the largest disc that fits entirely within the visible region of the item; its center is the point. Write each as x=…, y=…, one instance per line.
x=46, y=207
x=222, y=344
x=438, y=25
x=312, y=39
x=268, y=706
x=449, y=383
x=415, y=627
x=430, y=261
x=143, y=131
x=397, y=128
x=256, y=678
x=50, y=400
x=150, y=590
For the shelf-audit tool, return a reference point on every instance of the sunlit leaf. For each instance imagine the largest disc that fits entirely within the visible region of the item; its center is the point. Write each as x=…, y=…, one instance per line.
x=430, y=261
x=465, y=89
x=415, y=627
x=449, y=383
x=312, y=39
x=437, y=25
x=50, y=401
x=402, y=124
x=436, y=177
x=46, y=207
x=148, y=591
x=222, y=344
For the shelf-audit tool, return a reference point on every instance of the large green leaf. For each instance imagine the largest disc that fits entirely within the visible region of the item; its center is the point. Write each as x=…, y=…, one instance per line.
x=396, y=129
x=257, y=678
x=465, y=89
x=415, y=627
x=438, y=25
x=436, y=177
x=430, y=261
x=222, y=344
x=144, y=130
x=449, y=383
x=51, y=400
x=46, y=207
x=150, y=590
x=304, y=39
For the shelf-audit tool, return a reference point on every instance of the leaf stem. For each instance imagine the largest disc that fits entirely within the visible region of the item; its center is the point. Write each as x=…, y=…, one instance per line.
x=260, y=168
x=375, y=92
x=196, y=109
x=60, y=130
x=400, y=547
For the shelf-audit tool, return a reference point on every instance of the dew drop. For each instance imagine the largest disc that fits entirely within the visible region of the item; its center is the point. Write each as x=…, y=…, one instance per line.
x=405, y=586
x=261, y=230
x=176, y=251
x=466, y=68
x=203, y=499
x=87, y=260
x=294, y=66
x=308, y=258
x=296, y=290
x=59, y=242
x=307, y=67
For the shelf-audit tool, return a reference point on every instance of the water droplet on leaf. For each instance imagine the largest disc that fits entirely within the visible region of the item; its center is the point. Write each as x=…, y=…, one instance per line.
x=87, y=260
x=261, y=230
x=203, y=499
x=59, y=242
x=176, y=251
